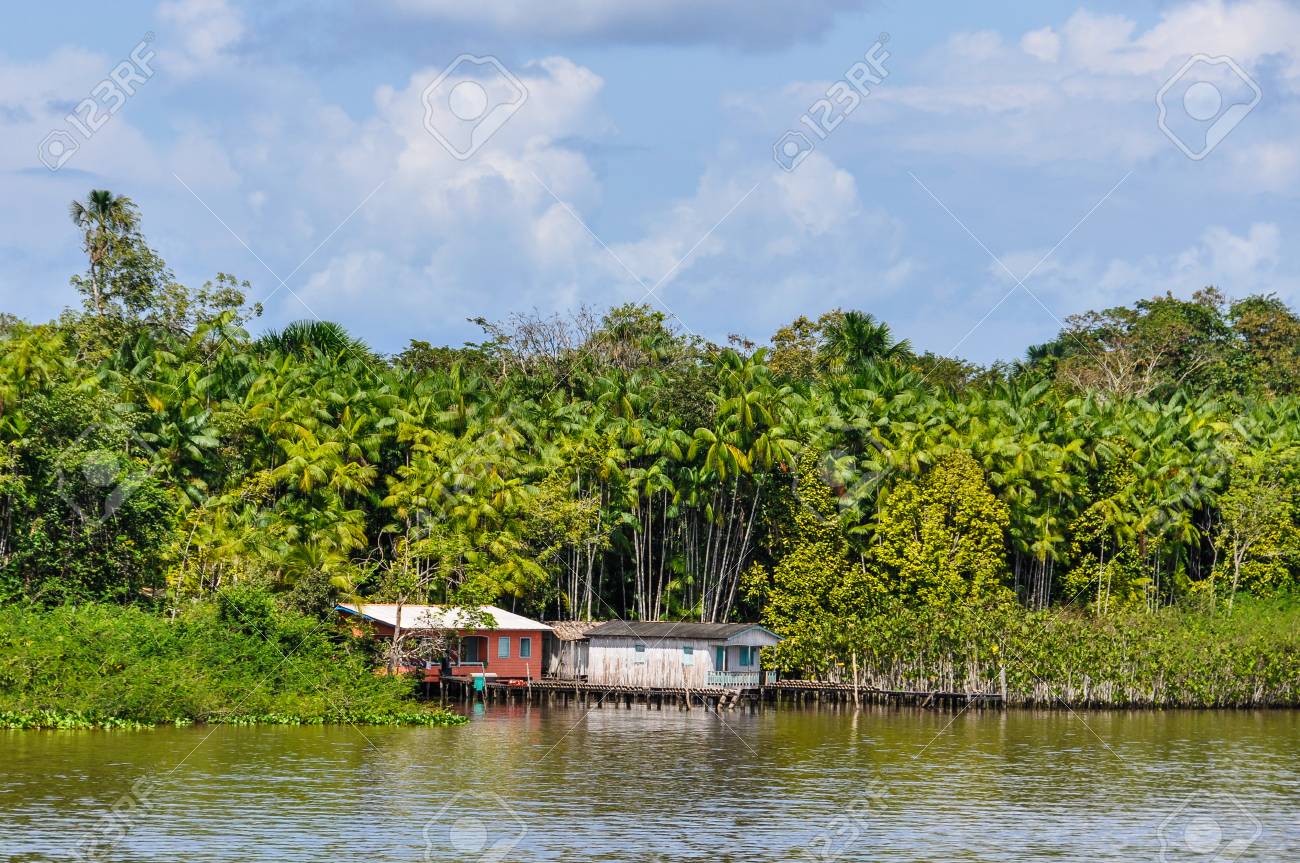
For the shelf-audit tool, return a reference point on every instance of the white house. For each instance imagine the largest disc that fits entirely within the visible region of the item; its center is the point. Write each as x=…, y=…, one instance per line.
x=671, y=655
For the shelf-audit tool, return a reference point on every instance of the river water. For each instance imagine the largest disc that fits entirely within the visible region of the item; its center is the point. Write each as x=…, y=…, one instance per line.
x=615, y=784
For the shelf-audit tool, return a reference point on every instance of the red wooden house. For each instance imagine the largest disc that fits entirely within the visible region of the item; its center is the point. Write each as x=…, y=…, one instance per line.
x=509, y=649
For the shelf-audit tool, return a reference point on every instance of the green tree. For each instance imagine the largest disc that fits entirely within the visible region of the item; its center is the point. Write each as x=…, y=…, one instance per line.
x=1257, y=531
x=1270, y=343
x=106, y=221
x=812, y=557
x=942, y=539
x=854, y=341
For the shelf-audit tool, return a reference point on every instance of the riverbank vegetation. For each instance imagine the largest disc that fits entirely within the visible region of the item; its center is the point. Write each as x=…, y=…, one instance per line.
x=239, y=660
x=1173, y=657
x=1138, y=474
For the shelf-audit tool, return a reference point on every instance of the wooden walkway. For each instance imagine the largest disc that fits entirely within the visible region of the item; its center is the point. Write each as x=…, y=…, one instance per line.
x=786, y=692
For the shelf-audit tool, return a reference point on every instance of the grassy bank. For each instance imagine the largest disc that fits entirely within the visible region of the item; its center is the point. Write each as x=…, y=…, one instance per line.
x=238, y=661
x=1170, y=658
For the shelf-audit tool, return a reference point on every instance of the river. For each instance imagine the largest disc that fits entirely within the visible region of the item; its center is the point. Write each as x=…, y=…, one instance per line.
x=535, y=783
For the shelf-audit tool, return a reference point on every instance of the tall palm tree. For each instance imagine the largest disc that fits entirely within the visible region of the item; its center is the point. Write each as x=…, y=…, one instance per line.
x=854, y=341
x=103, y=219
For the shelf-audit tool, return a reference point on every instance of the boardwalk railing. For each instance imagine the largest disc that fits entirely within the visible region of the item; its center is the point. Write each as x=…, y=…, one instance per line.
x=741, y=678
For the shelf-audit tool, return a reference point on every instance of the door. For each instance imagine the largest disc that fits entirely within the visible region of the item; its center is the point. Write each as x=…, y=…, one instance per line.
x=474, y=649
x=719, y=659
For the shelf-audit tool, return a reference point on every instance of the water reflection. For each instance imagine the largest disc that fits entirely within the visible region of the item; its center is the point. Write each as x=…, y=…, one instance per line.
x=617, y=784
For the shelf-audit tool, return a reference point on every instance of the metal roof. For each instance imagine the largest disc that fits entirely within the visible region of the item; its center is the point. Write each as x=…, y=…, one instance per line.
x=440, y=616
x=647, y=629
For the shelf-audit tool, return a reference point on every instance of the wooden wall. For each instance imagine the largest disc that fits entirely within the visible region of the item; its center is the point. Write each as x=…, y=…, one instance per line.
x=613, y=661
x=566, y=660
x=514, y=667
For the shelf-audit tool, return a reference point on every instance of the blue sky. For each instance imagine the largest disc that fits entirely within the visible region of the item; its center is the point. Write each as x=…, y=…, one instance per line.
x=1008, y=170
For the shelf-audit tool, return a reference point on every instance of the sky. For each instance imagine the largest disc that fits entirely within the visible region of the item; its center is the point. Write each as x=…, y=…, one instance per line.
x=971, y=175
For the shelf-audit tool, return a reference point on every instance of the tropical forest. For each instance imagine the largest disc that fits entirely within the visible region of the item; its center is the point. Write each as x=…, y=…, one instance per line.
x=185, y=495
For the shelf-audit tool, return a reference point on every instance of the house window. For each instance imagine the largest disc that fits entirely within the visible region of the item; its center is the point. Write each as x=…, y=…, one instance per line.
x=525, y=648
x=688, y=656
x=743, y=657
x=638, y=655
x=719, y=658
x=503, y=647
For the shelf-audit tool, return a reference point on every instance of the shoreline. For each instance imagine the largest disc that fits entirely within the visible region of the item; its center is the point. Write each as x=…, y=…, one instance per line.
x=456, y=719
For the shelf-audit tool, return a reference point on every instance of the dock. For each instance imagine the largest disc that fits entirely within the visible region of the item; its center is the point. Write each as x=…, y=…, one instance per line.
x=794, y=693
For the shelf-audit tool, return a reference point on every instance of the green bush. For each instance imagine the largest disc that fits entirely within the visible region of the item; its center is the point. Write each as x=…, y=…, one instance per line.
x=239, y=660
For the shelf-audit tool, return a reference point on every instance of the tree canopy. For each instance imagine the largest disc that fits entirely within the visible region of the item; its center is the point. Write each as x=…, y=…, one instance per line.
x=604, y=464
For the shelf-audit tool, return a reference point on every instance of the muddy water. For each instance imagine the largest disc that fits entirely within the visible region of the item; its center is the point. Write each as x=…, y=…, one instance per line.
x=570, y=784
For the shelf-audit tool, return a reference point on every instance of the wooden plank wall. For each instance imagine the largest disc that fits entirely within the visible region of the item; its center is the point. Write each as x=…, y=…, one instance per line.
x=612, y=661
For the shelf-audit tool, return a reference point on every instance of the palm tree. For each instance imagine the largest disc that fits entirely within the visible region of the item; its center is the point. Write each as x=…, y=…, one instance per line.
x=303, y=338
x=854, y=341
x=103, y=219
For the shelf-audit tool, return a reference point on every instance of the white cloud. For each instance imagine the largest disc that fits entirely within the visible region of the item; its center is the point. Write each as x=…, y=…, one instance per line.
x=36, y=98
x=1042, y=44
x=819, y=196
x=284, y=161
x=1080, y=90
x=442, y=240
x=1247, y=31
x=449, y=239
x=204, y=30
x=1237, y=263
x=1269, y=166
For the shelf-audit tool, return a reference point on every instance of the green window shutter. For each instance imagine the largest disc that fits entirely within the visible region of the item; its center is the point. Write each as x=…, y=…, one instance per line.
x=719, y=658
x=525, y=648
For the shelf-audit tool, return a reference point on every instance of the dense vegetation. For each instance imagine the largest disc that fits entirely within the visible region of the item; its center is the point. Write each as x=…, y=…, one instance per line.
x=237, y=661
x=155, y=453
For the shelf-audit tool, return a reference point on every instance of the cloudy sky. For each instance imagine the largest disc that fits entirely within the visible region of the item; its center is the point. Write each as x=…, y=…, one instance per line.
x=972, y=177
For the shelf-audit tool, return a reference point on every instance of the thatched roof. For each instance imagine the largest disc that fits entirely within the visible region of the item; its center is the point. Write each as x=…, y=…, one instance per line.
x=572, y=630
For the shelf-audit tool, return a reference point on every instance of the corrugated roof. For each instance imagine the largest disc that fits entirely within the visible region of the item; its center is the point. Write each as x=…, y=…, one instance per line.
x=440, y=616
x=572, y=630
x=649, y=630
